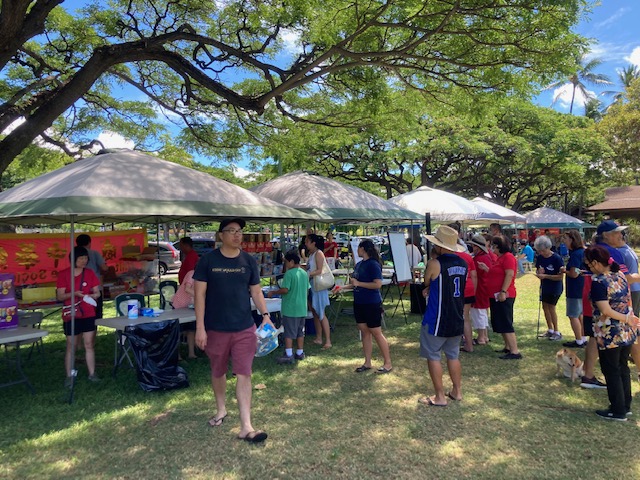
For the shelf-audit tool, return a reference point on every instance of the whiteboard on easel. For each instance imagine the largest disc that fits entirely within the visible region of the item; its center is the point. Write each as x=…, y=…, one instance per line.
x=400, y=257
x=354, y=250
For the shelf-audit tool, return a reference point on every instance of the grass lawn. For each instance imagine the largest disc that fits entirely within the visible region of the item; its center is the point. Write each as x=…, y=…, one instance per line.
x=517, y=419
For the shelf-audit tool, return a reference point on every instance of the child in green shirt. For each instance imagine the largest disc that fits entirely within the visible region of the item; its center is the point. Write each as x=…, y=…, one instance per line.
x=294, y=288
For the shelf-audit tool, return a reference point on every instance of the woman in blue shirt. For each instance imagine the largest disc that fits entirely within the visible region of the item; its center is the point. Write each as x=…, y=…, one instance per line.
x=550, y=270
x=367, y=305
x=575, y=284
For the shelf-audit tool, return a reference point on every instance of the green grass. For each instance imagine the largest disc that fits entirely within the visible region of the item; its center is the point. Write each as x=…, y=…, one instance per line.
x=517, y=419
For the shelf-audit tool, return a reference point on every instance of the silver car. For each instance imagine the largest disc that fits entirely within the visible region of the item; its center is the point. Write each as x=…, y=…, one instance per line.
x=169, y=256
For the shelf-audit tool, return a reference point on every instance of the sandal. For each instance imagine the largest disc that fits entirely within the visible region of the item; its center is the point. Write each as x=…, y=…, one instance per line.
x=216, y=422
x=257, y=436
x=384, y=370
x=362, y=368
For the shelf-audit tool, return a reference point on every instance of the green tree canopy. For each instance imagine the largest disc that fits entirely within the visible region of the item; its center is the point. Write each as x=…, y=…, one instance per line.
x=214, y=65
x=621, y=127
x=523, y=155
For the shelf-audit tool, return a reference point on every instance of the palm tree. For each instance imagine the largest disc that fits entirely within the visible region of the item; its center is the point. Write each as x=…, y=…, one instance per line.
x=593, y=109
x=625, y=77
x=583, y=76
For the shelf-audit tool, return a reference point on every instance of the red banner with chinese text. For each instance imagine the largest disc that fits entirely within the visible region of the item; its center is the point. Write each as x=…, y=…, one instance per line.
x=37, y=257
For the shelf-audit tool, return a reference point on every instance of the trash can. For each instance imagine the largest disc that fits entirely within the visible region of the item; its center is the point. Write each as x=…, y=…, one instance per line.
x=155, y=348
x=418, y=302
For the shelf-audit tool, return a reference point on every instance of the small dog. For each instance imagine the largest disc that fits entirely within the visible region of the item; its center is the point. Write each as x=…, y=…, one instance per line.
x=569, y=363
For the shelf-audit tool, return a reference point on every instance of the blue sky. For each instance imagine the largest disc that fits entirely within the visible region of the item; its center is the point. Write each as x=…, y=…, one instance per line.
x=613, y=28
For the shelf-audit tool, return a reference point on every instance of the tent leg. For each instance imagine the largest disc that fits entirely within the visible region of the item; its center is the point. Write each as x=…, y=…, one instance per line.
x=74, y=371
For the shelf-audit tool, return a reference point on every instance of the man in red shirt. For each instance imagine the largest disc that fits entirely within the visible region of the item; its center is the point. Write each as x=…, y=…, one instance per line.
x=190, y=258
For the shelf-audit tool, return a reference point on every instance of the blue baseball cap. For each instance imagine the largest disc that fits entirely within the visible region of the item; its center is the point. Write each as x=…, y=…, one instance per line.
x=609, y=226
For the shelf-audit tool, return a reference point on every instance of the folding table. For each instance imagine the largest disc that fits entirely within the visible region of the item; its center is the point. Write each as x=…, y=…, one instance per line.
x=17, y=336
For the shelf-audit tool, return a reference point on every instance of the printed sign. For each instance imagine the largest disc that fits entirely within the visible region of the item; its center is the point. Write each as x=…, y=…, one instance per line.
x=38, y=257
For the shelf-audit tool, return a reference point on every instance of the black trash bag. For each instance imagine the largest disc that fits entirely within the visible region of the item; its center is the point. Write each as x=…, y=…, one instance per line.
x=155, y=348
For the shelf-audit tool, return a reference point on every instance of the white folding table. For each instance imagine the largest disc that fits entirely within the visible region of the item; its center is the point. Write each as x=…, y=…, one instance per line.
x=18, y=336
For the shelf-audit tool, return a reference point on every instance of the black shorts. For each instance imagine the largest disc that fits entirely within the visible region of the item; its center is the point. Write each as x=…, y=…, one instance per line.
x=83, y=325
x=549, y=298
x=469, y=300
x=587, y=325
x=502, y=315
x=369, y=313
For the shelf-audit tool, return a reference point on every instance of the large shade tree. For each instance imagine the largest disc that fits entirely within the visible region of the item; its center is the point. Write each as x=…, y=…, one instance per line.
x=621, y=127
x=219, y=64
x=521, y=154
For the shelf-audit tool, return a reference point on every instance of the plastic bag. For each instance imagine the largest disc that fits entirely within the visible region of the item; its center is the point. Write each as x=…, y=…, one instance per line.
x=267, y=338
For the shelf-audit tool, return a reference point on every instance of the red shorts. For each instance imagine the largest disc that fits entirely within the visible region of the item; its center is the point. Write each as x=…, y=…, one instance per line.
x=240, y=347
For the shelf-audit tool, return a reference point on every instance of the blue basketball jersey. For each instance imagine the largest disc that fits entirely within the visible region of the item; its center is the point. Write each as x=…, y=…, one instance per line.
x=445, y=308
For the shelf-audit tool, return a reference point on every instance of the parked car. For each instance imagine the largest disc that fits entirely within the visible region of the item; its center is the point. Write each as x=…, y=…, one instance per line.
x=169, y=256
x=200, y=245
x=341, y=238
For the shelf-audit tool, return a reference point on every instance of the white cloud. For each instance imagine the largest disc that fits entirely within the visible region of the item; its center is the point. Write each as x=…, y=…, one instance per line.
x=115, y=140
x=563, y=95
x=613, y=18
x=634, y=58
x=242, y=172
x=291, y=41
x=610, y=52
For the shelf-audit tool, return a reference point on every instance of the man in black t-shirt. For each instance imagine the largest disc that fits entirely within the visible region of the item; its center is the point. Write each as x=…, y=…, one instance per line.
x=225, y=281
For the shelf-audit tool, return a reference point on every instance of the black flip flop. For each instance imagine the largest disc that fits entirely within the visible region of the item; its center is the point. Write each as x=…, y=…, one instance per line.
x=362, y=368
x=216, y=422
x=258, y=436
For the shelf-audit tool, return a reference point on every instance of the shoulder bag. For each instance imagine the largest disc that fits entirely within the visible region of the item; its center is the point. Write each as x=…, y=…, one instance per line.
x=325, y=280
x=66, y=310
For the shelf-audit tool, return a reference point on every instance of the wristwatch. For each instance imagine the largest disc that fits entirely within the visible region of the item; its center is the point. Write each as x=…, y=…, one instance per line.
x=265, y=314
x=503, y=291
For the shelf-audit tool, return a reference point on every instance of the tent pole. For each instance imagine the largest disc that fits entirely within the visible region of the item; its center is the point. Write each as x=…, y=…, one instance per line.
x=74, y=372
x=158, y=248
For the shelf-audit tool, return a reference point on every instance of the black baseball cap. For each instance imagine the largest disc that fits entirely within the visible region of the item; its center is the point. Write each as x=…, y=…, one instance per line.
x=229, y=221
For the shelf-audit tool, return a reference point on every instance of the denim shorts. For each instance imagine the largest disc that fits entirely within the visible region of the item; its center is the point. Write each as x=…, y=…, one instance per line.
x=574, y=307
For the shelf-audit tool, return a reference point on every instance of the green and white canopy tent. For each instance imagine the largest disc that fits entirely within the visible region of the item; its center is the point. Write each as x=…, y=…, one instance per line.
x=129, y=186
x=545, y=217
x=330, y=201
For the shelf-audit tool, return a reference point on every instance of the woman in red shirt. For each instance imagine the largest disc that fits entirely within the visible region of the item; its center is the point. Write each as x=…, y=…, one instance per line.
x=86, y=284
x=331, y=250
x=502, y=290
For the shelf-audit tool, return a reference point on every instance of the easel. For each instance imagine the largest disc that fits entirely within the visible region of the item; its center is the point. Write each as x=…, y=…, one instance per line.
x=402, y=271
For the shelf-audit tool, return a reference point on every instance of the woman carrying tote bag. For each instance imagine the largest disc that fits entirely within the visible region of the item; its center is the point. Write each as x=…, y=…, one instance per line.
x=319, y=299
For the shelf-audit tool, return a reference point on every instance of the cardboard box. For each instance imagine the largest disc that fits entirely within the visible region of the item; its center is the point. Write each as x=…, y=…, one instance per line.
x=39, y=294
x=8, y=314
x=7, y=286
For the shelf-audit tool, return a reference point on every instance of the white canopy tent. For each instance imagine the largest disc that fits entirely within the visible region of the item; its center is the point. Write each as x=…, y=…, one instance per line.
x=498, y=212
x=441, y=205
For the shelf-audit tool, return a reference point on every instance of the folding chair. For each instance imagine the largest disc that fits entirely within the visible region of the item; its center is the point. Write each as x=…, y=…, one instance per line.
x=168, y=289
x=122, y=347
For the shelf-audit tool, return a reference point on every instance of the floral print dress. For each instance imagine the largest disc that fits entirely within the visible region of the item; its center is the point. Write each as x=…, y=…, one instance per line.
x=610, y=333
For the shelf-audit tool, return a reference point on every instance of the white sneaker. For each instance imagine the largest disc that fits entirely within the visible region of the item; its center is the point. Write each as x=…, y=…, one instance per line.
x=555, y=336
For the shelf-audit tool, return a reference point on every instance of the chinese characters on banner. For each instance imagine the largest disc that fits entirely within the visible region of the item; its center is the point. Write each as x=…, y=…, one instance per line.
x=37, y=257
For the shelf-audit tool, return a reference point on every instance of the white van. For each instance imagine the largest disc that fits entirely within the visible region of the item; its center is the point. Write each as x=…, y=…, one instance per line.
x=341, y=238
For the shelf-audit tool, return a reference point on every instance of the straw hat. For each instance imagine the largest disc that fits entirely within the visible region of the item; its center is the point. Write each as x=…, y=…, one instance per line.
x=446, y=237
x=479, y=241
